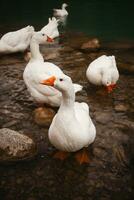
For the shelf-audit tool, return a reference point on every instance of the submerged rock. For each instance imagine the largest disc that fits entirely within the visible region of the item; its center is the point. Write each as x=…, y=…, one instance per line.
x=15, y=146
x=43, y=116
x=121, y=108
x=92, y=44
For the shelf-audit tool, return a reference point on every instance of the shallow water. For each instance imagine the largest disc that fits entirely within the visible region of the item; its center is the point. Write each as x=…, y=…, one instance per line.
x=105, y=19
x=112, y=154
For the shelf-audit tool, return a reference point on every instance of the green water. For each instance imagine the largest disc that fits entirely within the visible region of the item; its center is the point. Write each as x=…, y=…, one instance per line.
x=105, y=19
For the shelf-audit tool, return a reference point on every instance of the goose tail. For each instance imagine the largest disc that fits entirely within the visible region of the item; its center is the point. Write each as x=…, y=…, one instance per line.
x=77, y=87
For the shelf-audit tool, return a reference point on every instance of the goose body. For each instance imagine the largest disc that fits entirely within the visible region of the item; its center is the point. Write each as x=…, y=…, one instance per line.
x=16, y=41
x=61, y=12
x=103, y=71
x=72, y=128
x=51, y=28
x=37, y=69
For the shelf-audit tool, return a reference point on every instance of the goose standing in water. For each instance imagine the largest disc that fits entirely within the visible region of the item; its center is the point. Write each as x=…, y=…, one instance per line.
x=51, y=28
x=61, y=12
x=103, y=71
x=72, y=128
x=16, y=41
x=37, y=69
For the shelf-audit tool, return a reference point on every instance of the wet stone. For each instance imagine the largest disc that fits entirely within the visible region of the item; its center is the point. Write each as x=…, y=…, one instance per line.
x=121, y=108
x=15, y=146
x=43, y=116
x=91, y=44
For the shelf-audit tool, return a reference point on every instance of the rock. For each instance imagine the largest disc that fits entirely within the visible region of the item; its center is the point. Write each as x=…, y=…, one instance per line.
x=121, y=108
x=91, y=44
x=15, y=146
x=43, y=116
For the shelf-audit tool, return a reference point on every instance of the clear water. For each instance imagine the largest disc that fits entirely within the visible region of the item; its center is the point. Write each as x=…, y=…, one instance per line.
x=106, y=19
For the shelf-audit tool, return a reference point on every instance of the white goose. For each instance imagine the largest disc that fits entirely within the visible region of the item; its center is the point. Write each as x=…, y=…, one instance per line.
x=103, y=71
x=72, y=128
x=51, y=28
x=37, y=69
x=61, y=12
x=16, y=41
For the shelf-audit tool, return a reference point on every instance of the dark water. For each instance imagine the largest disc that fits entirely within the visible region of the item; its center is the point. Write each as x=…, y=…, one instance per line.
x=106, y=19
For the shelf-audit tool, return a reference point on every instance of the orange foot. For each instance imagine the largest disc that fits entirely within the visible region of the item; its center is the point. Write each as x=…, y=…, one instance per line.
x=82, y=157
x=61, y=155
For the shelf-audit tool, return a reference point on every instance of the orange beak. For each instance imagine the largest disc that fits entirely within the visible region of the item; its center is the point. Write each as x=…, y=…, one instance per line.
x=50, y=81
x=49, y=39
x=110, y=87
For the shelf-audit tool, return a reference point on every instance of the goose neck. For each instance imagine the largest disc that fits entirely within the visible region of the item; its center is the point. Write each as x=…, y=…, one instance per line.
x=63, y=7
x=68, y=99
x=35, y=51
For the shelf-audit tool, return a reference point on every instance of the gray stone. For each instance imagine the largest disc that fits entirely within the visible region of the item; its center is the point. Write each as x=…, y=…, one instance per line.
x=15, y=146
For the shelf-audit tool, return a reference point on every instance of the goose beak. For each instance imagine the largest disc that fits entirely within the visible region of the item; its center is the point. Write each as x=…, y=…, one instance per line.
x=49, y=39
x=110, y=87
x=50, y=81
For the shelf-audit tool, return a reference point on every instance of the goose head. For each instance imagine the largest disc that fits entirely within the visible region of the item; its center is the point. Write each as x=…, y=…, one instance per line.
x=62, y=83
x=41, y=37
x=110, y=75
x=51, y=29
x=64, y=5
x=109, y=82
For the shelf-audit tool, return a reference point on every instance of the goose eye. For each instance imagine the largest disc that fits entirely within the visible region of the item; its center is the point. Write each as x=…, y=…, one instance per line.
x=61, y=79
x=43, y=34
